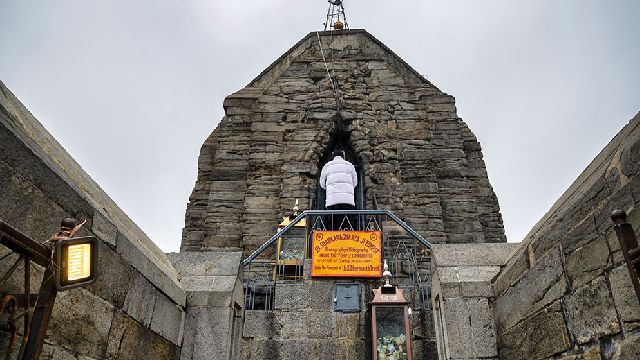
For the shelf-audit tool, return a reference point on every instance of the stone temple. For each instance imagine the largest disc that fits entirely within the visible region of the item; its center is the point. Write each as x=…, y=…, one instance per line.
x=247, y=283
x=415, y=156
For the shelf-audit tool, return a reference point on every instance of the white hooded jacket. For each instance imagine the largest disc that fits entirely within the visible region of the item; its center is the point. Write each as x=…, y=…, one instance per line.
x=338, y=178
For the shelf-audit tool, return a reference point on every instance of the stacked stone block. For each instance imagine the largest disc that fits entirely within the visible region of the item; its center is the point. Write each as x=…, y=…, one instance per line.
x=305, y=325
x=419, y=159
x=566, y=294
x=213, y=284
x=462, y=295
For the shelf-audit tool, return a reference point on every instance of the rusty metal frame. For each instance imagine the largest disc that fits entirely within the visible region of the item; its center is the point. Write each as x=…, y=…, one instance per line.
x=629, y=246
x=36, y=325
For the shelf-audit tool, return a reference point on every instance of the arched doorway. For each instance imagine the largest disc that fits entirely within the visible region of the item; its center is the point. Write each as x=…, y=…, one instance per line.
x=340, y=140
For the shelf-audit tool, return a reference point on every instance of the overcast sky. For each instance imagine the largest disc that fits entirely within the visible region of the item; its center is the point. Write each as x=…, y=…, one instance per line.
x=132, y=89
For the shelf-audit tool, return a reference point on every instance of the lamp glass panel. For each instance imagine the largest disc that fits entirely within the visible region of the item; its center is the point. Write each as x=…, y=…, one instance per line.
x=390, y=332
x=79, y=260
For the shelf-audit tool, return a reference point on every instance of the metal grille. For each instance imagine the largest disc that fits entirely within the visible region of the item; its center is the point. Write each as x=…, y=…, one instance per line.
x=406, y=251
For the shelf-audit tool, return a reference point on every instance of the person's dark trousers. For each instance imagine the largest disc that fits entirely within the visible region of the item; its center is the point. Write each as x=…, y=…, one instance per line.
x=335, y=221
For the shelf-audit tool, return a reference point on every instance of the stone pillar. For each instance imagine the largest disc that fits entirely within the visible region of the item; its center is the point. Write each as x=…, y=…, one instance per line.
x=213, y=283
x=461, y=295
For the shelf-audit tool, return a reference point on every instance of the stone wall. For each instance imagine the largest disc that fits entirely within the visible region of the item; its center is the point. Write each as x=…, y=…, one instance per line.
x=213, y=283
x=137, y=305
x=462, y=297
x=566, y=292
x=304, y=324
x=418, y=158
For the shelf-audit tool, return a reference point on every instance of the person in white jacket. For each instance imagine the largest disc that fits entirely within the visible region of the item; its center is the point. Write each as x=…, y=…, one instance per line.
x=339, y=179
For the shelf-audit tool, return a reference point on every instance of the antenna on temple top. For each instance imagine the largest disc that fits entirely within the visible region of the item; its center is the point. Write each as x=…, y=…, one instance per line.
x=335, y=13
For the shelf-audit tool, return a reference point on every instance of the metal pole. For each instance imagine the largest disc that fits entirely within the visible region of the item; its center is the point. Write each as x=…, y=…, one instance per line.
x=41, y=316
x=27, y=306
x=629, y=246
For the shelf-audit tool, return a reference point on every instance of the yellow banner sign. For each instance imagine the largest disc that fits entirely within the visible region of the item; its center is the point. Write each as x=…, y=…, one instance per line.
x=346, y=254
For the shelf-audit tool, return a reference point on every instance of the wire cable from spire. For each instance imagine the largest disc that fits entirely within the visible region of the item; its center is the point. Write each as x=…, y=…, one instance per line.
x=331, y=75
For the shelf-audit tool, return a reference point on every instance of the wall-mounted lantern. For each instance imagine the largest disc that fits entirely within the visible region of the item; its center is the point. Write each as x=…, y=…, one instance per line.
x=77, y=260
x=390, y=322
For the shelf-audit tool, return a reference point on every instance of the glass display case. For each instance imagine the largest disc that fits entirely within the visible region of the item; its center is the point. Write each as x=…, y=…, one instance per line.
x=390, y=324
x=292, y=248
x=391, y=333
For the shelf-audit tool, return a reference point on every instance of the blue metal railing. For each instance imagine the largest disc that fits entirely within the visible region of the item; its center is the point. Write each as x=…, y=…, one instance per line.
x=356, y=213
x=403, y=250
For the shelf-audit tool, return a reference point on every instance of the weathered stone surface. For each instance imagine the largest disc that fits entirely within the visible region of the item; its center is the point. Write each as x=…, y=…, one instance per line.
x=119, y=325
x=470, y=329
x=15, y=283
x=206, y=263
x=114, y=276
x=625, y=297
x=151, y=268
x=292, y=296
x=58, y=353
x=422, y=323
x=216, y=340
x=189, y=333
x=38, y=216
x=591, y=313
x=324, y=349
x=543, y=284
x=80, y=322
x=537, y=337
x=262, y=349
x=472, y=254
x=466, y=281
x=211, y=290
x=484, y=333
x=352, y=350
x=517, y=265
x=295, y=350
x=140, y=299
x=620, y=199
x=321, y=295
x=168, y=320
x=350, y=325
x=306, y=270
x=628, y=349
x=104, y=228
x=589, y=354
x=60, y=188
x=139, y=341
x=581, y=234
x=322, y=324
x=424, y=349
x=261, y=324
x=32, y=178
x=456, y=316
x=630, y=156
x=587, y=262
x=294, y=324
x=597, y=300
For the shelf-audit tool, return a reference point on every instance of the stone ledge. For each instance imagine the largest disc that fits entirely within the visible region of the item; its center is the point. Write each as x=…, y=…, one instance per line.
x=472, y=254
x=207, y=263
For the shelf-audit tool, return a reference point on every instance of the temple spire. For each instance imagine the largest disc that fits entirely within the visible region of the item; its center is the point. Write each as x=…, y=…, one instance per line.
x=334, y=16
